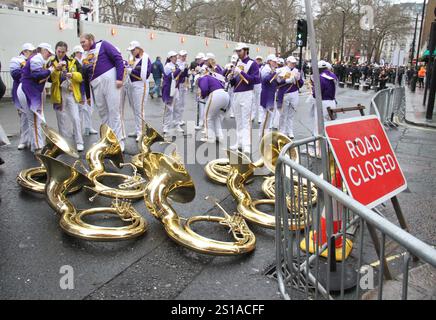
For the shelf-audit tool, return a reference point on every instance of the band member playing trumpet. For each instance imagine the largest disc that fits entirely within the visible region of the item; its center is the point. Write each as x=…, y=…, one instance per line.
x=183, y=85
x=212, y=65
x=35, y=75
x=16, y=69
x=289, y=81
x=268, y=94
x=217, y=103
x=138, y=72
x=245, y=74
x=228, y=73
x=170, y=92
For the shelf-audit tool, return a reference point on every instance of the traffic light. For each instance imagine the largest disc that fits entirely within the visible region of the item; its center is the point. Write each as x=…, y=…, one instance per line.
x=302, y=33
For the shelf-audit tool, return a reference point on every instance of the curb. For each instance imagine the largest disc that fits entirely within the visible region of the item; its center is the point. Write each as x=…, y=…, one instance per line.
x=420, y=124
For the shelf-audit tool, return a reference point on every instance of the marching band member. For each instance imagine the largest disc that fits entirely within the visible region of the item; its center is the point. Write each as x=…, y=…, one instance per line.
x=256, y=109
x=328, y=93
x=246, y=73
x=170, y=92
x=183, y=88
x=33, y=80
x=105, y=72
x=268, y=94
x=138, y=73
x=227, y=72
x=217, y=103
x=16, y=69
x=65, y=92
x=281, y=62
x=85, y=109
x=212, y=65
x=289, y=81
x=200, y=59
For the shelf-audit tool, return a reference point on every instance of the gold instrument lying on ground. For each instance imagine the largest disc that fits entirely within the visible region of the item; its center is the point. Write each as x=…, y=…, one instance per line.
x=149, y=137
x=130, y=187
x=62, y=177
x=54, y=147
x=170, y=180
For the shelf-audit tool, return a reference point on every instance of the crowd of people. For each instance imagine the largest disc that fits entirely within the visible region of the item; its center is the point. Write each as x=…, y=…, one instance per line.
x=95, y=76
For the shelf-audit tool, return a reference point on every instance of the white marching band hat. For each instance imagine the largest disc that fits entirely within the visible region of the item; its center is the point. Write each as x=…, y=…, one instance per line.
x=171, y=54
x=241, y=46
x=46, y=46
x=183, y=53
x=322, y=64
x=78, y=49
x=28, y=46
x=259, y=58
x=134, y=44
x=200, y=55
x=291, y=59
x=272, y=57
x=210, y=55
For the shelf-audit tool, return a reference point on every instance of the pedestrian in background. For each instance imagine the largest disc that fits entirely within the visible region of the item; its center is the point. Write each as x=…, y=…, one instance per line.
x=157, y=71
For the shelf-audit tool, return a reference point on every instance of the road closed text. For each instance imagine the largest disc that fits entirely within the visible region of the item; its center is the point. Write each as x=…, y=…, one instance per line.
x=361, y=173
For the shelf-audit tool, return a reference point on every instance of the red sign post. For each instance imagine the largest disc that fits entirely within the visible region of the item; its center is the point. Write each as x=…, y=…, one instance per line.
x=365, y=159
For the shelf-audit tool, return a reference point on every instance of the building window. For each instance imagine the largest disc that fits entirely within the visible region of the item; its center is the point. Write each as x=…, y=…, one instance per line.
x=43, y=13
x=36, y=11
x=28, y=10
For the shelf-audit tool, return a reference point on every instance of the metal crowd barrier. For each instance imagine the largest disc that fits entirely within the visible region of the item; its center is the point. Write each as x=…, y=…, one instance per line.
x=299, y=203
x=388, y=103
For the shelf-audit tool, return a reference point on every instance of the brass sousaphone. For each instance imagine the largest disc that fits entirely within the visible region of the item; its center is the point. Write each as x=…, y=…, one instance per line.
x=240, y=164
x=54, y=147
x=62, y=177
x=148, y=138
x=130, y=187
x=170, y=180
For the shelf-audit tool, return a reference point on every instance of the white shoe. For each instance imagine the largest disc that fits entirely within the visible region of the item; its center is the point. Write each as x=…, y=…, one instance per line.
x=182, y=123
x=232, y=116
x=132, y=134
x=235, y=147
x=246, y=150
x=21, y=146
x=198, y=127
x=80, y=147
x=138, y=137
x=93, y=131
x=179, y=129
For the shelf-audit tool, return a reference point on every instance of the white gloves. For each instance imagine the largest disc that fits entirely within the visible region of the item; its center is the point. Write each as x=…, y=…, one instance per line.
x=290, y=80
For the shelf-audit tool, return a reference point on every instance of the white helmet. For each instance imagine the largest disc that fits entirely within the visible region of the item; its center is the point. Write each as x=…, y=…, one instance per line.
x=134, y=44
x=78, y=49
x=322, y=64
x=200, y=55
x=183, y=53
x=241, y=46
x=271, y=57
x=46, y=46
x=171, y=54
x=28, y=46
x=210, y=55
x=291, y=59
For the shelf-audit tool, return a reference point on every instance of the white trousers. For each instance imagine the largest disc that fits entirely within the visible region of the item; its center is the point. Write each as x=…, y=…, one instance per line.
x=231, y=96
x=107, y=100
x=179, y=106
x=138, y=93
x=35, y=135
x=218, y=100
x=68, y=117
x=314, y=114
x=242, y=107
x=288, y=110
x=24, y=127
x=168, y=115
x=257, y=89
x=85, y=111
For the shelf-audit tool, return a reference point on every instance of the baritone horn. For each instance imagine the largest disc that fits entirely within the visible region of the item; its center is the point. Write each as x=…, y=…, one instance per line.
x=54, y=147
x=130, y=187
x=60, y=178
x=170, y=180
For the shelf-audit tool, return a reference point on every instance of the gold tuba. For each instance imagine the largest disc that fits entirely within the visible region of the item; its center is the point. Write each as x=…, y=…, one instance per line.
x=218, y=170
x=149, y=137
x=130, y=187
x=54, y=147
x=271, y=145
x=62, y=177
x=170, y=180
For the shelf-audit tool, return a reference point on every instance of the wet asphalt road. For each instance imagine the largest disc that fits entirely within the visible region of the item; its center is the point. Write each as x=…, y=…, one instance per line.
x=34, y=248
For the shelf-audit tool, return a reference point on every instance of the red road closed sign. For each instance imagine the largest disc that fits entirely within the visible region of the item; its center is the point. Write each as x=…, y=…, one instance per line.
x=366, y=160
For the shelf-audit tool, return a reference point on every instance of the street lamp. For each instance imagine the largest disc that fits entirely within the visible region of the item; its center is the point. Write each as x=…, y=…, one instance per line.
x=343, y=35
